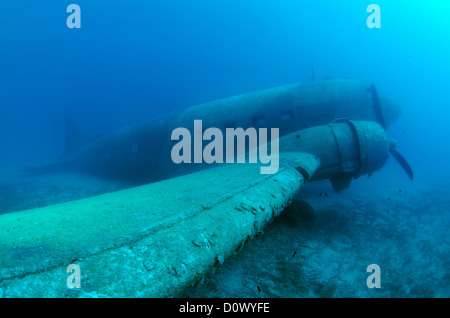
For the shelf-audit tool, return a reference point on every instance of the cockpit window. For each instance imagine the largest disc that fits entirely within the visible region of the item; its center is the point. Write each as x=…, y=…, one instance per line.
x=259, y=121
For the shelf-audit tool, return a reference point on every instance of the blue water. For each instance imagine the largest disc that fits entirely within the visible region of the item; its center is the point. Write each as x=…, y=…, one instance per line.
x=138, y=59
x=133, y=60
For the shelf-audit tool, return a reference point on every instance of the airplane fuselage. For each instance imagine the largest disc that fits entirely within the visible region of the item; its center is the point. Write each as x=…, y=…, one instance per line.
x=142, y=152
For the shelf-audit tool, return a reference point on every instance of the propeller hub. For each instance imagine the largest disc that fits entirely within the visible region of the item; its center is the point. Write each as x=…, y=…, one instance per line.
x=392, y=143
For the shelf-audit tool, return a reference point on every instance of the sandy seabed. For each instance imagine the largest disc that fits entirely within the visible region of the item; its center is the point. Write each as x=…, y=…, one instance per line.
x=323, y=243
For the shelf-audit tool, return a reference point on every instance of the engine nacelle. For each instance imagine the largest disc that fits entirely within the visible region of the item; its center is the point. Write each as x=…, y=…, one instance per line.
x=346, y=149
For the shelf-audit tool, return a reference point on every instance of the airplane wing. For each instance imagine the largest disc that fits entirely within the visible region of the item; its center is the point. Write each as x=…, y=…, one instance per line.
x=148, y=241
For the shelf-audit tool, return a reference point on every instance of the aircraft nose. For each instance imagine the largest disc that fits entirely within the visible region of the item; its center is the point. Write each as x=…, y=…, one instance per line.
x=391, y=109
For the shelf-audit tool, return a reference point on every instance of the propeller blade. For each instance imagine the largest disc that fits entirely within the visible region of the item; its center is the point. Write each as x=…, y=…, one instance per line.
x=380, y=119
x=377, y=106
x=402, y=161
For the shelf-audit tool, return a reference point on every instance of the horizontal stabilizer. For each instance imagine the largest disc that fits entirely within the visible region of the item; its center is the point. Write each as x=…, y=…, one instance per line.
x=58, y=167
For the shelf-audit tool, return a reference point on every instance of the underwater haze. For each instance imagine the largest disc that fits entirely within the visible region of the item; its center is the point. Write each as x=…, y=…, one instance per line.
x=134, y=60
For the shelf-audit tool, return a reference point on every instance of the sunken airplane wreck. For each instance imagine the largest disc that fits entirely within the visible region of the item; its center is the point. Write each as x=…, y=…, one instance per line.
x=142, y=152
x=158, y=238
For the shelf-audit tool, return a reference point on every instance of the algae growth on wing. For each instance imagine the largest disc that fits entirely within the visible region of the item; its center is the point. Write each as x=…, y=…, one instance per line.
x=164, y=235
